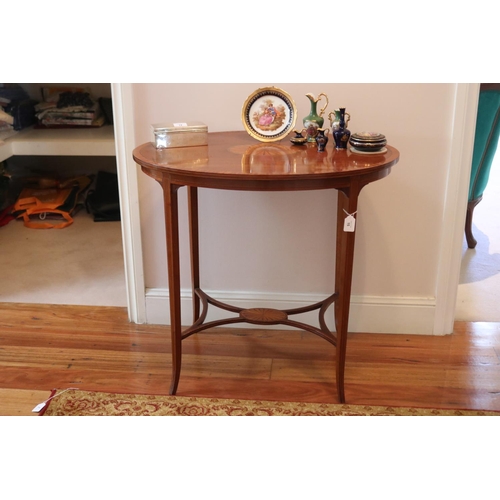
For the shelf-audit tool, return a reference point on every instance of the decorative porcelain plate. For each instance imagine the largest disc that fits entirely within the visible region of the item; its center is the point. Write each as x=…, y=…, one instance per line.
x=269, y=114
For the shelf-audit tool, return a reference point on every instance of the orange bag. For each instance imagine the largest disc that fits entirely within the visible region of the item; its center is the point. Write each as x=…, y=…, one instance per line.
x=36, y=205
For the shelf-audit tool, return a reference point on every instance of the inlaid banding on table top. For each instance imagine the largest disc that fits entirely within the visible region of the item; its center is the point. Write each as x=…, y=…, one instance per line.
x=261, y=315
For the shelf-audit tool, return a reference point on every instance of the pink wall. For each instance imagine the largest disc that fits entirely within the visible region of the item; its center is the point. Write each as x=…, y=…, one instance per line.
x=290, y=235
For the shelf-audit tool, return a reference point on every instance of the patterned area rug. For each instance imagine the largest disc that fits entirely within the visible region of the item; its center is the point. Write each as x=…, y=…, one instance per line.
x=81, y=403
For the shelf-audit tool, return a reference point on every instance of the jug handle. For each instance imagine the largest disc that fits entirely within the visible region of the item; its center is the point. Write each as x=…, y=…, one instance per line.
x=325, y=106
x=347, y=117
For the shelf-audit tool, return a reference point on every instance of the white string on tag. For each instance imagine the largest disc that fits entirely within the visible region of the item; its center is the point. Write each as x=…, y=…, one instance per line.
x=350, y=222
x=40, y=406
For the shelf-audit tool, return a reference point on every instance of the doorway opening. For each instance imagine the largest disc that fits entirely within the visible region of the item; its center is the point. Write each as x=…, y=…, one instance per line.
x=478, y=296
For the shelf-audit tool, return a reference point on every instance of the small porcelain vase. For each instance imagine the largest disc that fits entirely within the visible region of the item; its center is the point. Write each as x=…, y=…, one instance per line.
x=334, y=117
x=342, y=134
x=322, y=139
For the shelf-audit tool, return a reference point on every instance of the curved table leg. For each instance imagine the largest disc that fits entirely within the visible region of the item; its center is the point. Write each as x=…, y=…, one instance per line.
x=174, y=282
x=471, y=241
x=348, y=201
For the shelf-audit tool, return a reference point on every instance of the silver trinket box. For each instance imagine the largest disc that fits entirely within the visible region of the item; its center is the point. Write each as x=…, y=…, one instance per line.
x=179, y=135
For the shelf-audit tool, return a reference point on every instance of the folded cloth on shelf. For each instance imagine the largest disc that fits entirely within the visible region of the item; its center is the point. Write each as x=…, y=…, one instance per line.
x=69, y=107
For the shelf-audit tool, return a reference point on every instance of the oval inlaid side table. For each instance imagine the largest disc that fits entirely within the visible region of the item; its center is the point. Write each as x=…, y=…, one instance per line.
x=235, y=161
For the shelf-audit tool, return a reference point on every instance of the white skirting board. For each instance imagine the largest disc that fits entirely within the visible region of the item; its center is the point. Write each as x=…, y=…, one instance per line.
x=403, y=315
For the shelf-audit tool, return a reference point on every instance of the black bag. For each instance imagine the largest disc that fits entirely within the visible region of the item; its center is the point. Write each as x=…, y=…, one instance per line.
x=23, y=113
x=103, y=202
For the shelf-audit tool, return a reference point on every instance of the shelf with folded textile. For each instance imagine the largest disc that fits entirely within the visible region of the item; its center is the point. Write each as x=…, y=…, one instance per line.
x=55, y=128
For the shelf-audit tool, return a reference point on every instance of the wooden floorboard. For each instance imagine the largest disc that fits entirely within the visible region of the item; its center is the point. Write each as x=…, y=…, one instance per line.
x=43, y=347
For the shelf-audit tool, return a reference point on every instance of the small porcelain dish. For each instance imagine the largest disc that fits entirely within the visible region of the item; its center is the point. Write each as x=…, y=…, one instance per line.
x=362, y=152
x=298, y=141
x=368, y=141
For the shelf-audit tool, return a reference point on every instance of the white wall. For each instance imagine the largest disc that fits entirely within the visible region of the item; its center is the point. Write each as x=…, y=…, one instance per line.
x=278, y=248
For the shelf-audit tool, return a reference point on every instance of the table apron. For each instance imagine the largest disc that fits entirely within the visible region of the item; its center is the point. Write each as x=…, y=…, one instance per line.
x=250, y=184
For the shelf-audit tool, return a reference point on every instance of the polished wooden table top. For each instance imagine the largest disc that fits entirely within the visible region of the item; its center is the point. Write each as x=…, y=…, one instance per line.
x=232, y=156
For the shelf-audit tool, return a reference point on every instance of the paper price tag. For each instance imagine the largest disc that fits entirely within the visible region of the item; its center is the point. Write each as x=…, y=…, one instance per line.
x=38, y=408
x=349, y=224
x=180, y=124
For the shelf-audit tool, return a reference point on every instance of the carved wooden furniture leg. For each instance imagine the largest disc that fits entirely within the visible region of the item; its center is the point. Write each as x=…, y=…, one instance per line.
x=348, y=201
x=174, y=282
x=471, y=241
x=195, y=253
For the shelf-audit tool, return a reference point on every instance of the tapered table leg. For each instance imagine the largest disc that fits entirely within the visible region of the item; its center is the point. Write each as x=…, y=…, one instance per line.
x=174, y=285
x=347, y=204
x=195, y=252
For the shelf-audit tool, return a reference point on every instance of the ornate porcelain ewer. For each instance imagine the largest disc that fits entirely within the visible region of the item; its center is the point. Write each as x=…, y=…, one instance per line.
x=313, y=121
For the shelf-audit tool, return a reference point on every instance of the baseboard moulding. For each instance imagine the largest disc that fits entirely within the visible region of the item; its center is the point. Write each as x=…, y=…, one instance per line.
x=368, y=314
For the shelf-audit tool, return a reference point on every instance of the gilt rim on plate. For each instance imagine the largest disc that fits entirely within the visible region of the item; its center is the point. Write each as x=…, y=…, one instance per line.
x=269, y=114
